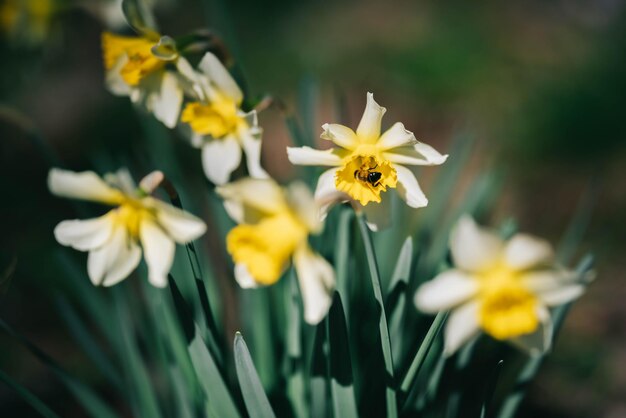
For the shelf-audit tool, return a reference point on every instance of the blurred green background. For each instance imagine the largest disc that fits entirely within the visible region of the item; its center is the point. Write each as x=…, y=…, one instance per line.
x=540, y=85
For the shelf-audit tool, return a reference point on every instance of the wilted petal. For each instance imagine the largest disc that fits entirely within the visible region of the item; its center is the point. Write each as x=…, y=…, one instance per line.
x=461, y=326
x=150, y=182
x=114, y=261
x=85, y=185
x=396, y=136
x=409, y=188
x=85, y=235
x=474, y=248
x=447, y=290
x=417, y=154
x=310, y=156
x=158, y=250
x=524, y=251
x=340, y=135
x=368, y=130
x=317, y=282
x=220, y=157
x=540, y=341
x=219, y=75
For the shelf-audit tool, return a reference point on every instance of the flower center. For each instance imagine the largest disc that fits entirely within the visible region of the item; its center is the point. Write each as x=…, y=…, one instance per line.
x=265, y=248
x=364, y=177
x=141, y=62
x=130, y=214
x=216, y=119
x=507, y=308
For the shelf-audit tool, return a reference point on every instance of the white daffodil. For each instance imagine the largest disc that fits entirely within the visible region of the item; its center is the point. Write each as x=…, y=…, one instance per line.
x=367, y=163
x=219, y=126
x=137, y=67
x=274, y=225
x=502, y=288
x=115, y=240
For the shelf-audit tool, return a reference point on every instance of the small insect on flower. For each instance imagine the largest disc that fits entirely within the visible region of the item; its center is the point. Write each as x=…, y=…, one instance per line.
x=503, y=288
x=274, y=225
x=137, y=67
x=218, y=124
x=367, y=164
x=115, y=240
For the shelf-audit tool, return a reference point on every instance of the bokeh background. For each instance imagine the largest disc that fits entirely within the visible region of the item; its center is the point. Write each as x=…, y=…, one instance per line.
x=540, y=86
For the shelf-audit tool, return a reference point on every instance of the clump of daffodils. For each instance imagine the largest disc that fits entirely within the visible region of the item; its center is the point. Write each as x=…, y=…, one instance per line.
x=139, y=67
x=367, y=163
x=138, y=221
x=218, y=124
x=274, y=226
x=504, y=288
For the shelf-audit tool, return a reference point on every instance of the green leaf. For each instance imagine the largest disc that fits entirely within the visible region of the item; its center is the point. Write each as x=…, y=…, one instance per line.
x=342, y=255
x=254, y=396
x=340, y=366
x=390, y=393
x=320, y=381
x=219, y=400
x=397, y=295
x=28, y=396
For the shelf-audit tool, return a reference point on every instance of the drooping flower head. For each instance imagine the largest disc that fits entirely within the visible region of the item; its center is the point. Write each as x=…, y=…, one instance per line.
x=274, y=226
x=138, y=220
x=219, y=126
x=502, y=288
x=138, y=67
x=368, y=163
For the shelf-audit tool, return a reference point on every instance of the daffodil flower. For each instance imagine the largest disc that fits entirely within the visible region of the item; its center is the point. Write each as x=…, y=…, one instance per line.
x=115, y=240
x=502, y=288
x=137, y=67
x=219, y=126
x=367, y=164
x=27, y=20
x=274, y=225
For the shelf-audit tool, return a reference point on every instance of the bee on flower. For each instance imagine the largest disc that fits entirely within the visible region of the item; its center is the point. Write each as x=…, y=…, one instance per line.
x=218, y=124
x=138, y=221
x=140, y=68
x=273, y=229
x=504, y=288
x=367, y=164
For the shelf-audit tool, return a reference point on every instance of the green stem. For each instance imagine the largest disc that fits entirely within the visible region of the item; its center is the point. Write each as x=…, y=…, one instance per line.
x=392, y=406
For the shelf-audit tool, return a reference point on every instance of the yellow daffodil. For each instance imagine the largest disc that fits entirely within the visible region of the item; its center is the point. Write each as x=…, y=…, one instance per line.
x=218, y=124
x=28, y=20
x=274, y=225
x=367, y=164
x=503, y=288
x=115, y=240
x=137, y=67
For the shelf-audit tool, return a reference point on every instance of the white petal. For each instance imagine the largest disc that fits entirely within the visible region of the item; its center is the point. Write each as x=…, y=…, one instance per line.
x=158, y=250
x=182, y=226
x=262, y=195
x=396, y=136
x=85, y=235
x=474, y=248
x=409, y=188
x=326, y=194
x=85, y=185
x=317, y=282
x=540, y=341
x=378, y=215
x=114, y=261
x=340, y=135
x=252, y=147
x=166, y=102
x=447, y=290
x=303, y=204
x=562, y=295
x=219, y=75
x=114, y=80
x=369, y=128
x=461, y=326
x=220, y=157
x=418, y=154
x=541, y=281
x=310, y=156
x=244, y=278
x=524, y=251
